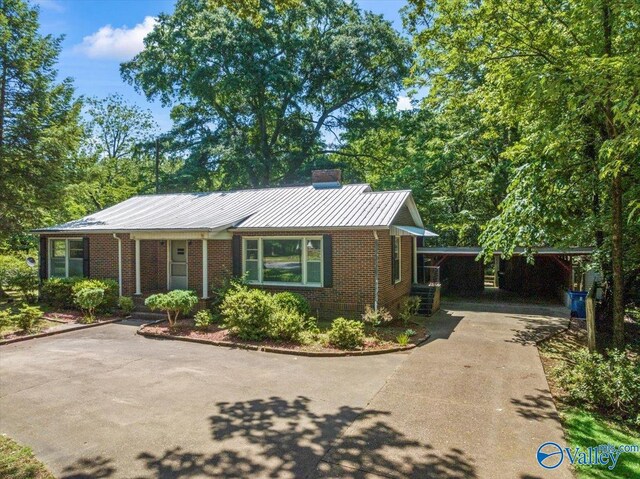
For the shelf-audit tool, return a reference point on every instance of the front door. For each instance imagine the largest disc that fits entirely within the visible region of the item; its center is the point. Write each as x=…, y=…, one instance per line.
x=178, y=265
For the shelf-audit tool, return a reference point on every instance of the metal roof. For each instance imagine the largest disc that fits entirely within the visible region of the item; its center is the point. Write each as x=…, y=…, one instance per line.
x=475, y=251
x=348, y=206
x=412, y=231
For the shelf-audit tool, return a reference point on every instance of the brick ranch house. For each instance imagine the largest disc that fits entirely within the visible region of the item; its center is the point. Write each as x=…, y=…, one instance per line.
x=340, y=246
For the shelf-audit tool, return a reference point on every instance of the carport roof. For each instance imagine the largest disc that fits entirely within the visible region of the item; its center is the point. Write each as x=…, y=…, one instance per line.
x=474, y=251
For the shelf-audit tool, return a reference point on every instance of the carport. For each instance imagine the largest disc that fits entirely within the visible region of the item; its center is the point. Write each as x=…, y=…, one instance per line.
x=552, y=272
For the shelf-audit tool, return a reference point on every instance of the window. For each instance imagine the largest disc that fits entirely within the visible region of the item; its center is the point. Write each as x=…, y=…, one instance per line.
x=283, y=260
x=66, y=258
x=396, y=258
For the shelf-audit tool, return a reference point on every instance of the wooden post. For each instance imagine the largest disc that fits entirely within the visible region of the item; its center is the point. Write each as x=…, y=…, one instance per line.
x=591, y=318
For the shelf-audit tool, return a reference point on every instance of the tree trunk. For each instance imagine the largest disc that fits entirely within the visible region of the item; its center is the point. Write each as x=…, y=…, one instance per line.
x=616, y=255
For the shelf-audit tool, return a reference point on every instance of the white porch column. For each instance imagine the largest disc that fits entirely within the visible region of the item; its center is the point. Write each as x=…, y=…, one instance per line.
x=138, y=287
x=415, y=260
x=205, y=269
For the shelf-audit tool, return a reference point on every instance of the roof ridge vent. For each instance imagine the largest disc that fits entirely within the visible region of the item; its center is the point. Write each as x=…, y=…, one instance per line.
x=323, y=179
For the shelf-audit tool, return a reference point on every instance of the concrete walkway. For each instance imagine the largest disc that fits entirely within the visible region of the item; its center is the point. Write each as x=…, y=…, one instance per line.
x=472, y=402
x=105, y=402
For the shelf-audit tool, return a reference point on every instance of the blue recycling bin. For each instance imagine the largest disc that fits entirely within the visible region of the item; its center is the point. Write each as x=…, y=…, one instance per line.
x=578, y=304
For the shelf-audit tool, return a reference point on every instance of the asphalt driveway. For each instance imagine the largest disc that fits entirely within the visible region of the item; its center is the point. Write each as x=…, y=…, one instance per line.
x=104, y=402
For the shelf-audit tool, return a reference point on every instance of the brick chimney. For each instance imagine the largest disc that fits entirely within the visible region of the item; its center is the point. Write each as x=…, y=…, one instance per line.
x=326, y=178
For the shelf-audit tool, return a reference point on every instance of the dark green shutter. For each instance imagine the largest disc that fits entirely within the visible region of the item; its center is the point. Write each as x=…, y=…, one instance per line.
x=43, y=258
x=393, y=260
x=327, y=261
x=85, y=257
x=236, y=254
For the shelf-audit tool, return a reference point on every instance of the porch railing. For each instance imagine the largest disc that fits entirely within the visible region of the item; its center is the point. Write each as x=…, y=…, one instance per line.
x=429, y=275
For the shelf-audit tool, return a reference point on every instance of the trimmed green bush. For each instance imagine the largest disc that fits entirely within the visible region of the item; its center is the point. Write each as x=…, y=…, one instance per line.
x=89, y=299
x=173, y=303
x=203, y=319
x=292, y=301
x=608, y=384
x=403, y=339
x=58, y=292
x=346, y=333
x=28, y=317
x=286, y=324
x=246, y=312
x=111, y=292
x=125, y=303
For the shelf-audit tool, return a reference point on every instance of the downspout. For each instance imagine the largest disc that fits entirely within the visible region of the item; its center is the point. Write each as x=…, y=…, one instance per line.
x=375, y=270
x=119, y=264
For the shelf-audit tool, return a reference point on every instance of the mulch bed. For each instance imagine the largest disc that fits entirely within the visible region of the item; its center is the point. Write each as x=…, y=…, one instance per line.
x=217, y=336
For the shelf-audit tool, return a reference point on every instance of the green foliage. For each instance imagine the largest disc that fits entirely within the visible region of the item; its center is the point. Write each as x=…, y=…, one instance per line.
x=374, y=318
x=203, y=319
x=18, y=462
x=410, y=332
x=6, y=318
x=125, y=304
x=27, y=317
x=246, y=312
x=16, y=275
x=608, y=384
x=402, y=339
x=346, y=333
x=286, y=324
x=173, y=303
x=409, y=308
x=110, y=287
x=89, y=298
x=39, y=121
x=292, y=301
x=58, y=292
x=220, y=291
x=278, y=84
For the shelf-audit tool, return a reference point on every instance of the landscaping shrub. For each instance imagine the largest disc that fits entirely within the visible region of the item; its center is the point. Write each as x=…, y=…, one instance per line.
x=609, y=384
x=403, y=339
x=203, y=319
x=110, y=287
x=219, y=292
x=286, y=324
x=375, y=318
x=246, y=312
x=125, y=303
x=28, y=317
x=346, y=333
x=292, y=301
x=9, y=266
x=410, y=332
x=173, y=303
x=58, y=292
x=409, y=308
x=6, y=318
x=25, y=281
x=89, y=299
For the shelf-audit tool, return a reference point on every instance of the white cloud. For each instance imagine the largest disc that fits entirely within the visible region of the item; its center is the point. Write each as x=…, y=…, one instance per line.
x=404, y=103
x=50, y=5
x=117, y=43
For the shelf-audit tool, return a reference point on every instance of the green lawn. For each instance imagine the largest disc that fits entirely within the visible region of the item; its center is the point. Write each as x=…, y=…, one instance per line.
x=586, y=429
x=18, y=462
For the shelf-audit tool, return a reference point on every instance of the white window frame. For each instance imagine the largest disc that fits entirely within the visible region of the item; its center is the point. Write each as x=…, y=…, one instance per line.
x=398, y=247
x=304, y=239
x=66, y=254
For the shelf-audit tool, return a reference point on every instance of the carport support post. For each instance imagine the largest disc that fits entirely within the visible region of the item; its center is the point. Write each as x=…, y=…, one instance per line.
x=138, y=288
x=415, y=260
x=205, y=269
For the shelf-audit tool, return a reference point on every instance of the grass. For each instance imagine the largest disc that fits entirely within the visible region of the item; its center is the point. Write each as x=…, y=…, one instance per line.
x=584, y=428
x=18, y=462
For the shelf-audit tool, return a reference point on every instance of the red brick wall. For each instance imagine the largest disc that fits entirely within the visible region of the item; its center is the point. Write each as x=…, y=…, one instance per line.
x=353, y=268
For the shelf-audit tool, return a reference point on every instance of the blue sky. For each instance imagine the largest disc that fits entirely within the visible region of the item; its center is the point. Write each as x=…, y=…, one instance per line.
x=99, y=34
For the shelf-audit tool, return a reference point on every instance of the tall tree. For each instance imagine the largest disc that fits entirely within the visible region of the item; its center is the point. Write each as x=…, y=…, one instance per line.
x=564, y=74
x=39, y=120
x=256, y=102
